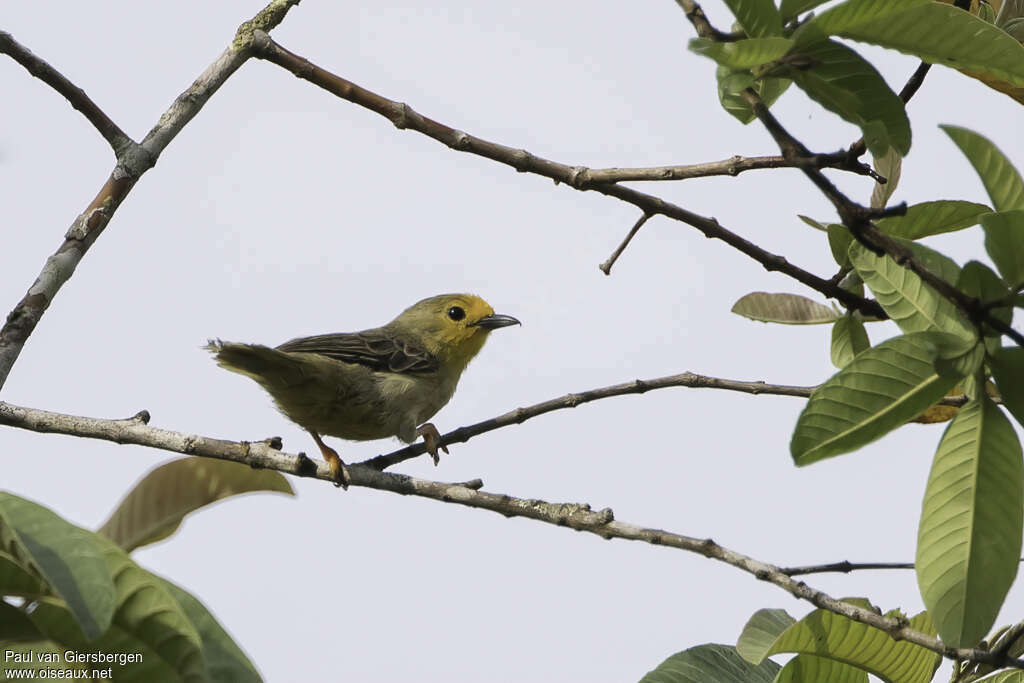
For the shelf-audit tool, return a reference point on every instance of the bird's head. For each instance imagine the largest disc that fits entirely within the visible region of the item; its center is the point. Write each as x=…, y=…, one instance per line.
x=453, y=327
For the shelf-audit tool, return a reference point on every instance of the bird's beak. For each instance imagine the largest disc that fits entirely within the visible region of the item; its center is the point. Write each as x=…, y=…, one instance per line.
x=496, y=320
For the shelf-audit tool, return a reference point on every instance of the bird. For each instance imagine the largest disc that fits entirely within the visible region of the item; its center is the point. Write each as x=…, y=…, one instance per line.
x=383, y=382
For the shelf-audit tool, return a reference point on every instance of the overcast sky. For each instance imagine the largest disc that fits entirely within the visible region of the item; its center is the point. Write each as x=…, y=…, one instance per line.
x=282, y=211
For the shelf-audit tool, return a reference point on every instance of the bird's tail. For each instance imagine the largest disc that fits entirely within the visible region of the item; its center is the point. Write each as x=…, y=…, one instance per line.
x=265, y=365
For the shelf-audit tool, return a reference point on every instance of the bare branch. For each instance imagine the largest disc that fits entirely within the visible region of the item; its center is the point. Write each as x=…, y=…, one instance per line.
x=578, y=516
x=732, y=166
x=844, y=567
x=110, y=131
x=404, y=117
x=133, y=161
x=606, y=267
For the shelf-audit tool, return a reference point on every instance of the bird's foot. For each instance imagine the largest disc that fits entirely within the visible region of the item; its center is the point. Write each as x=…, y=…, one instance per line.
x=431, y=437
x=338, y=470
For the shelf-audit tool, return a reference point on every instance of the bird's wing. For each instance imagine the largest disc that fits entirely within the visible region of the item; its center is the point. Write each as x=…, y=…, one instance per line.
x=375, y=349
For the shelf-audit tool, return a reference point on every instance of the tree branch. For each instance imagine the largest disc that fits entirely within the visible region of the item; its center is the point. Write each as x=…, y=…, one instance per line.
x=844, y=567
x=133, y=161
x=606, y=267
x=578, y=516
x=110, y=131
x=404, y=117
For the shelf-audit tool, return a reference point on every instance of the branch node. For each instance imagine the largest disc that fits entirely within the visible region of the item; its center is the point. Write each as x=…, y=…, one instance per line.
x=274, y=442
x=401, y=116
x=142, y=416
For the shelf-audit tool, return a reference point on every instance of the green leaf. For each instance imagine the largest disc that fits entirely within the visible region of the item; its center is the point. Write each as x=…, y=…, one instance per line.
x=1004, y=232
x=848, y=339
x=879, y=390
x=832, y=636
x=839, y=239
x=742, y=54
x=933, y=218
x=813, y=223
x=936, y=262
x=225, y=661
x=803, y=668
x=711, y=663
x=937, y=33
x=15, y=626
x=731, y=83
x=972, y=518
x=846, y=84
x=1004, y=677
x=18, y=579
x=979, y=281
x=148, y=621
x=789, y=309
x=1008, y=372
x=1002, y=181
x=36, y=656
x=889, y=166
x=912, y=304
x=66, y=557
x=757, y=17
x=156, y=506
x=791, y=8
x=761, y=630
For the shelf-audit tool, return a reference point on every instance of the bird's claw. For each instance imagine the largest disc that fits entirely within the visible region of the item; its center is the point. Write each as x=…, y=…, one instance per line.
x=431, y=439
x=339, y=473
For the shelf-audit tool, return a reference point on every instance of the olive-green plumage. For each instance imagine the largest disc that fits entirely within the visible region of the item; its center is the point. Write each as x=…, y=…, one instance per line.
x=386, y=381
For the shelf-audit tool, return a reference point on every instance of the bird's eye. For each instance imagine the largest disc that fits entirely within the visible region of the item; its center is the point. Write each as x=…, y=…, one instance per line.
x=456, y=313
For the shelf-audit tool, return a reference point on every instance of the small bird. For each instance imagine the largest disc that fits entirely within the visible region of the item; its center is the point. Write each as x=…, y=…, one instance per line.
x=360, y=386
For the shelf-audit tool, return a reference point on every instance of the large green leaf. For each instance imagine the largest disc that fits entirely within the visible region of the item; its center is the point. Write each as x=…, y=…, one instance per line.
x=65, y=556
x=972, y=518
x=1008, y=372
x=731, y=84
x=936, y=262
x=37, y=656
x=933, y=218
x=791, y=8
x=879, y=390
x=742, y=54
x=1004, y=242
x=155, y=507
x=912, y=304
x=1002, y=181
x=838, y=638
x=18, y=579
x=1016, y=676
x=711, y=663
x=757, y=17
x=148, y=621
x=759, y=633
x=839, y=240
x=805, y=668
x=848, y=339
x=846, y=84
x=225, y=661
x=937, y=33
x=789, y=309
x=15, y=626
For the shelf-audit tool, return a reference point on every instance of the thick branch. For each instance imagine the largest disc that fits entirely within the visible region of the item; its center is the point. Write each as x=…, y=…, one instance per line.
x=404, y=117
x=576, y=516
x=133, y=161
x=110, y=131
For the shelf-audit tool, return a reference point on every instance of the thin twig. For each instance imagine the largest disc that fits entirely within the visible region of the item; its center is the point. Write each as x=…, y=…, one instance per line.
x=844, y=567
x=578, y=516
x=110, y=131
x=732, y=166
x=133, y=161
x=404, y=117
x=606, y=267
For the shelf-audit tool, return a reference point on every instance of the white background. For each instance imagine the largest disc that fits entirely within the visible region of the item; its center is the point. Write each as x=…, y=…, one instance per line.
x=282, y=211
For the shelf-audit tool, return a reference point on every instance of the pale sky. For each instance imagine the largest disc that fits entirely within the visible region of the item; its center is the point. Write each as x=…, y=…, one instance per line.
x=282, y=211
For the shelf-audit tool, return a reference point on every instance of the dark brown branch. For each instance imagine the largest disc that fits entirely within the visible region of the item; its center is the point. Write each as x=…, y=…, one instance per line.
x=577, y=516
x=404, y=117
x=110, y=131
x=858, y=218
x=704, y=28
x=133, y=161
x=606, y=267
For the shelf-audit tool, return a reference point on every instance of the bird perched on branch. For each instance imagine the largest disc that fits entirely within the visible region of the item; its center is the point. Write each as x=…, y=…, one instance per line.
x=373, y=384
